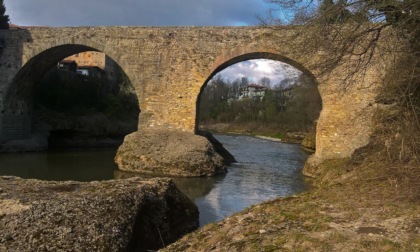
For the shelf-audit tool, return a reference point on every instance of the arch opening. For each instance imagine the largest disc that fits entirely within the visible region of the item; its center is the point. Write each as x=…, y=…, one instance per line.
x=285, y=106
x=70, y=95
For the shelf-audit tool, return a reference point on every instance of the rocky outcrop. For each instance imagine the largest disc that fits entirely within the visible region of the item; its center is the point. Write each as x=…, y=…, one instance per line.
x=120, y=215
x=169, y=152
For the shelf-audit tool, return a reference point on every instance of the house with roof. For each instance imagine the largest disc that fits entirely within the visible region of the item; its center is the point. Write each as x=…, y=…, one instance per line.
x=89, y=58
x=91, y=71
x=92, y=62
x=253, y=91
x=67, y=65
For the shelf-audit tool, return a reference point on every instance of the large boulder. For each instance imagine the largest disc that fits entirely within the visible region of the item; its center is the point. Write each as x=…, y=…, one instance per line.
x=170, y=153
x=119, y=215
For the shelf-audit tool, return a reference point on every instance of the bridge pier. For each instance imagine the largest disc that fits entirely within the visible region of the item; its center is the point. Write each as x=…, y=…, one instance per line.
x=16, y=129
x=15, y=121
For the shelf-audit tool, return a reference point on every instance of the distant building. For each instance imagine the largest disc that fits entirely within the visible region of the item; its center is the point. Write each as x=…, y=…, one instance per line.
x=84, y=72
x=253, y=91
x=14, y=26
x=91, y=59
x=72, y=66
x=67, y=65
x=287, y=92
x=91, y=71
x=284, y=95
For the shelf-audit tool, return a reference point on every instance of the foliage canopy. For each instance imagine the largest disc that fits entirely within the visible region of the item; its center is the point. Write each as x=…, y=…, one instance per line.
x=284, y=107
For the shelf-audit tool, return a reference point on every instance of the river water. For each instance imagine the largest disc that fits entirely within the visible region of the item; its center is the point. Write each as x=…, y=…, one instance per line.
x=265, y=170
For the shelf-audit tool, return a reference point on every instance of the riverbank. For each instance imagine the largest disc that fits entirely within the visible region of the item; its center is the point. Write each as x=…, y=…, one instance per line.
x=258, y=162
x=306, y=139
x=357, y=204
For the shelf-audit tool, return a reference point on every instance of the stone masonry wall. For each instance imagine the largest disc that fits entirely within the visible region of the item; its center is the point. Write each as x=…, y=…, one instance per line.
x=15, y=123
x=14, y=118
x=168, y=67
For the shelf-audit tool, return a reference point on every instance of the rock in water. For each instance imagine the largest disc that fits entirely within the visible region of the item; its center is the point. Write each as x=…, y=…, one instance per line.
x=169, y=152
x=119, y=215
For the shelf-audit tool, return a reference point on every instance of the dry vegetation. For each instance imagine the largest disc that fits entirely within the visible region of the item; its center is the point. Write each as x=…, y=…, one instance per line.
x=365, y=203
x=369, y=202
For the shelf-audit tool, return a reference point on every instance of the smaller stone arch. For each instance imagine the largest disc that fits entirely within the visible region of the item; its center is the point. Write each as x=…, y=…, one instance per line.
x=93, y=45
x=38, y=64
x=37, y=60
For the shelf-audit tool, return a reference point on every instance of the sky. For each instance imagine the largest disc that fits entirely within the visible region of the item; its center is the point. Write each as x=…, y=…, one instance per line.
x=135, y=12
x=257, y=69
x=149, y=13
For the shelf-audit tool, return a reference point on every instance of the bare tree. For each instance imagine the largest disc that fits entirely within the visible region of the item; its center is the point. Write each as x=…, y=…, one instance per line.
x=344, y=28
x=356, y=31
x=265, y=81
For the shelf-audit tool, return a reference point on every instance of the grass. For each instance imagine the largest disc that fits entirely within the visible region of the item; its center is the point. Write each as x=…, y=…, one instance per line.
x=253, y=129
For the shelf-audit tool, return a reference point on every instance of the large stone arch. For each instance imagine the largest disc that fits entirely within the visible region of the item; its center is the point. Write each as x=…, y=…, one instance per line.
x=236, y=56
x=345, y=120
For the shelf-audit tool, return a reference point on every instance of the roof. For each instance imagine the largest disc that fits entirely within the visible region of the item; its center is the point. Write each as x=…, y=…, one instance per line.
x=14, y=26
x=67, y=61
x=90, y=67
x=256, y=86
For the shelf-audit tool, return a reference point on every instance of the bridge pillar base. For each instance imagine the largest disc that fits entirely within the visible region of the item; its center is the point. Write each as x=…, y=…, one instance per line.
x=169, y=153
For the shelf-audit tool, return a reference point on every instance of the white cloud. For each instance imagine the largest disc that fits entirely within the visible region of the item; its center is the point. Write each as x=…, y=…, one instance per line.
x=259, y=68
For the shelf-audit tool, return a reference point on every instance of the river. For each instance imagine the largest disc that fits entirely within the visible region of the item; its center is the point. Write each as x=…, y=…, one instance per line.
x=265, y=170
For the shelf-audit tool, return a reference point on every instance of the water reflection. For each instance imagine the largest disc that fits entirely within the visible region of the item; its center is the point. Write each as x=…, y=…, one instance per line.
x=79, y=164
x=265, y=170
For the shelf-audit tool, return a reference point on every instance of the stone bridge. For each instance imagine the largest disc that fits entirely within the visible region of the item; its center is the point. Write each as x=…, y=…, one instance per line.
x=169, y=67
